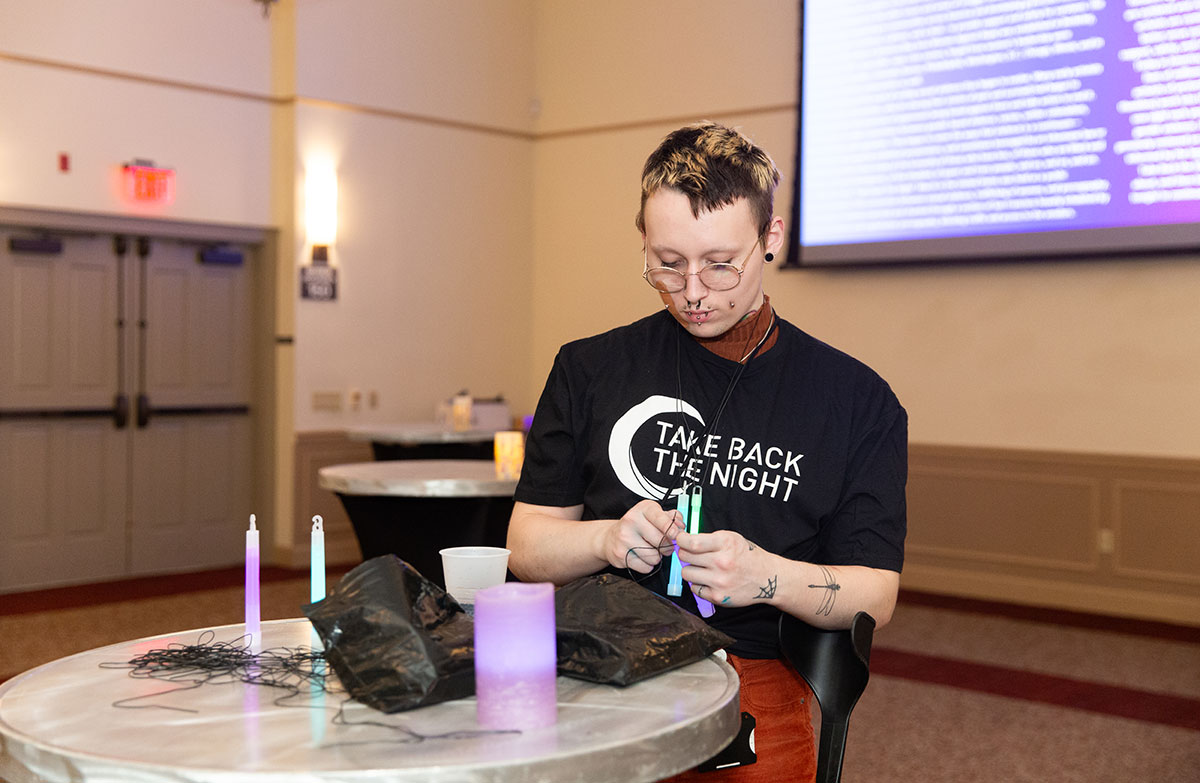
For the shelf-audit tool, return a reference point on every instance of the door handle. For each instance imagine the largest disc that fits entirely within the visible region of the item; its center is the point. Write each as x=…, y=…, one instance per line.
x=143, y=399
x=121, y=411
x=121, y=400
x=143, y=410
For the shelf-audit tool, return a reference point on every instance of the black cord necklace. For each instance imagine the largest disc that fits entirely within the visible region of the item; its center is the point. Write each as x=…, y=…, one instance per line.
x=712, y=424
x=679, y=483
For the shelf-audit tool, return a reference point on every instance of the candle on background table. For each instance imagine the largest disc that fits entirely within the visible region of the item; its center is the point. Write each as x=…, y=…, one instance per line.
x=317, y=560
x=460, y=411
x=515, y=656
x=253, y=601
x=508, y=449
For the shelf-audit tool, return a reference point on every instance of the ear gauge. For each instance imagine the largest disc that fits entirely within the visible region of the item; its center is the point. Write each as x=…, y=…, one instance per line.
x=769, y=257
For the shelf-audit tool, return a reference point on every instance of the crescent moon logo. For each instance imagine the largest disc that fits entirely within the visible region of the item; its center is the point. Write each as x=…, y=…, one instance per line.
x=620, y=442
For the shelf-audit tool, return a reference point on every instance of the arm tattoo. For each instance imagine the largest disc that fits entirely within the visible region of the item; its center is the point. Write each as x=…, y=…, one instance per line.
x=830, y=587
x=768, y=590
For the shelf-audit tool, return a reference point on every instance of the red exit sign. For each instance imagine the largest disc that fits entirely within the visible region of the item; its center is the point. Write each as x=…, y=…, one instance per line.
x=149, y=184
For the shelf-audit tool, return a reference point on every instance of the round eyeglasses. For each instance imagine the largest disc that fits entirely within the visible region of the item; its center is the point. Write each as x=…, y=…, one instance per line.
x=714, y=277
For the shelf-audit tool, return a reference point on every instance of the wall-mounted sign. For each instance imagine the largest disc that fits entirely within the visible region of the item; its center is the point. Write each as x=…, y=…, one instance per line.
x=318, y=282
x=148, y=184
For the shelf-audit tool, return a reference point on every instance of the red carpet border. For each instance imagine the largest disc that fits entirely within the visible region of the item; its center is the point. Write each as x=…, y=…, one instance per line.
x=1114, y=700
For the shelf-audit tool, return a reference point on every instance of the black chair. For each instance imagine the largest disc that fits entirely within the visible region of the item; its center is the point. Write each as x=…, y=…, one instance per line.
x=836, y=665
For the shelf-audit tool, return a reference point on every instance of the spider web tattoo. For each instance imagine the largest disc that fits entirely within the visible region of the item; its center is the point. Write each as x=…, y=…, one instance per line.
x=768, y=590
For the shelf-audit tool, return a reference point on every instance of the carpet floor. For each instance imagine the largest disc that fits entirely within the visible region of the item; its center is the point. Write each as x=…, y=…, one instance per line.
x=961, y=691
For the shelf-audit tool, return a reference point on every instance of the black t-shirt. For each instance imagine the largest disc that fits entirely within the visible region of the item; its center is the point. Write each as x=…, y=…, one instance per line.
x=808, y=458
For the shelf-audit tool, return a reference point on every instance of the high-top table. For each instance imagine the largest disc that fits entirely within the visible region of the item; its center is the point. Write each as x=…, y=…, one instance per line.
x=414, y=508
x=60, y=722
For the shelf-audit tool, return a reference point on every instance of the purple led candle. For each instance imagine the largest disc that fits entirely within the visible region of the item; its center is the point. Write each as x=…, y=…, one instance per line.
x=515, y=656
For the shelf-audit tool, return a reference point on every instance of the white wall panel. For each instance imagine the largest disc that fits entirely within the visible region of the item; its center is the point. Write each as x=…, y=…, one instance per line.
x=218, y=145
x=434, y=270
x=217, y=43
x=469, y=61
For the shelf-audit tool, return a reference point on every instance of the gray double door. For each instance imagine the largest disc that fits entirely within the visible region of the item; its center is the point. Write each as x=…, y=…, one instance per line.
x=125, y=426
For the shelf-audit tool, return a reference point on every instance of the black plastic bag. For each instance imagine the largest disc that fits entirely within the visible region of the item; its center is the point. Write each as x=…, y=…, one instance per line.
x=615, y=631
x=396, y=640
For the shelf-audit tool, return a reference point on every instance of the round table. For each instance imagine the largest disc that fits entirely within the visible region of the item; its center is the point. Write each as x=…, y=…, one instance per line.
x=414, y=508
x=58, y=723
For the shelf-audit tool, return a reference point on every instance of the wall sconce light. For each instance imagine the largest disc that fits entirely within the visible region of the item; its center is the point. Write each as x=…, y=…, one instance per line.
x=320, y=209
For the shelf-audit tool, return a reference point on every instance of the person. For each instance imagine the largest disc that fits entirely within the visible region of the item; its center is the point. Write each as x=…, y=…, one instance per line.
x=795, y=452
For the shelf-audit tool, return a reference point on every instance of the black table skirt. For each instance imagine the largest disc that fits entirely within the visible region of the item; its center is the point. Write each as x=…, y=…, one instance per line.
x=468, y=450
x=415, y=529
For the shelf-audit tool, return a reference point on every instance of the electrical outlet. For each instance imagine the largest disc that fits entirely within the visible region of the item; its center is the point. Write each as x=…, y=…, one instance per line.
x=1106, y=541
x=372, y=399
x=327, y=401
x=355, y=399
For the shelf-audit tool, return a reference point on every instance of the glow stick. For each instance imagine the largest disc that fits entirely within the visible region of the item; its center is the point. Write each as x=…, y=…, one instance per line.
x=317, y=561
x=693, y=526
x=675, y=581
x=253, y=602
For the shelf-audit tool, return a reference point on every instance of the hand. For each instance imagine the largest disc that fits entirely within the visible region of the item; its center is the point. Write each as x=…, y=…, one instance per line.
x=726, y=569
x=642, y=537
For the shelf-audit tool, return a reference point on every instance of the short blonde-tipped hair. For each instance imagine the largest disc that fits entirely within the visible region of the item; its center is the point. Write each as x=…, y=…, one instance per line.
x=713, y=165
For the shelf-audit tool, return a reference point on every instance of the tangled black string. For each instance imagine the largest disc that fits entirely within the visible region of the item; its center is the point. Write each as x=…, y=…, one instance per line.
x=665, y=548
x=294, y=670
x=297, y=671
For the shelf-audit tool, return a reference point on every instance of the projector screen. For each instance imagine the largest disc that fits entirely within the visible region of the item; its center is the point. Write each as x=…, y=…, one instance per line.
x=940, y=130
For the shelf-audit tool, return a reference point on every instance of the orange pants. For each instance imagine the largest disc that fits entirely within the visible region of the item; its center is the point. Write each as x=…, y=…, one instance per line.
x=779, y=699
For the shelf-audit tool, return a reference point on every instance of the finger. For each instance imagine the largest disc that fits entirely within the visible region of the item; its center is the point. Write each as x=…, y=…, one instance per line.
x=695, y=574
x=667, y=523
x=708, y=594
x=638, y=560
x=661, y=537
x=698, y=543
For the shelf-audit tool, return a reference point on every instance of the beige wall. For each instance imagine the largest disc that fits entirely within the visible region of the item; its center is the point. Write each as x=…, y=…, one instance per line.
x=467, y=61
x=461, y=208
x=110, y=82
x=424, y=108
x=1015, y=375
x=488, y=154
x=1070, y=356
x=433, y=287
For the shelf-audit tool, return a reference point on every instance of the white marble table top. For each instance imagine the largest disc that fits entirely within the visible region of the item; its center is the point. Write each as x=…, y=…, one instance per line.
x=58, y=723
x=438, y=478
x=419, y=433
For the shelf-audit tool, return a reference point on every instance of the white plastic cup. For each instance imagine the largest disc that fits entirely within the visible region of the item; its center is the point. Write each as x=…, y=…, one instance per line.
x=469, y=569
